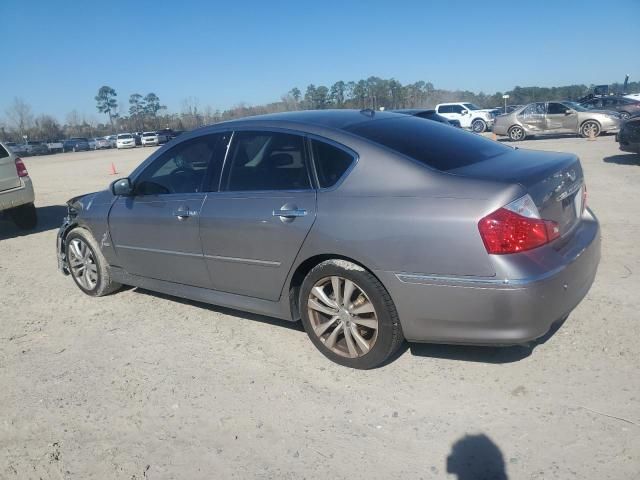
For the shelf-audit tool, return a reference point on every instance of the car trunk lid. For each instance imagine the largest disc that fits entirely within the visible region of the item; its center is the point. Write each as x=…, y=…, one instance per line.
x=554, y=181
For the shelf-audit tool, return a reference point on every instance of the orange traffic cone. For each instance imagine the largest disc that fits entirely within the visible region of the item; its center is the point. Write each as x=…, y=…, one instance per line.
x=113, y=169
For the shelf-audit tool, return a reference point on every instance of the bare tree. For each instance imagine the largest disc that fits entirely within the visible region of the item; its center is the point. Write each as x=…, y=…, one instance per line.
x=20, y=116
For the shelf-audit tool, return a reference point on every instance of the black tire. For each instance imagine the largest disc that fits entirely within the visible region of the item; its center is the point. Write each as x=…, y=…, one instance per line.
x=590, y=126
x=517, y=133
x=389, y=331
x=25, y=216
x=104, y=285
x=478, y=126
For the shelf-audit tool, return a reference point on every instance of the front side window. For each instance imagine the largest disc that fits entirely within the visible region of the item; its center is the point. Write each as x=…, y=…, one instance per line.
x=3, y=152
x=445, y=109
x=556, y=108
x=183, y=168
x=331, y=163
x=457, y=108
x=266, y=161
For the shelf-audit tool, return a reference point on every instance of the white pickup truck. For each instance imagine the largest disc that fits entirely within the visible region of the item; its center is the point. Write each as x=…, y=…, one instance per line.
x=55, y=147
x=468, y=115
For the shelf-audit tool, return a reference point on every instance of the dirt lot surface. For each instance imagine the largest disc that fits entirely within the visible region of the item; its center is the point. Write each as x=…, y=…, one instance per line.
x=137, y=385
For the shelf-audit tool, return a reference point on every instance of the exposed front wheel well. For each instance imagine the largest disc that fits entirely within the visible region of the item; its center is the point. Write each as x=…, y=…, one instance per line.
x=301, y=272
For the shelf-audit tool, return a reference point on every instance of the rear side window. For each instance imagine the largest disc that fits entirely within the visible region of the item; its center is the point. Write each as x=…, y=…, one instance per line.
x=430, y=143
x=266, y=161
x=3, y=152
x=331, y=163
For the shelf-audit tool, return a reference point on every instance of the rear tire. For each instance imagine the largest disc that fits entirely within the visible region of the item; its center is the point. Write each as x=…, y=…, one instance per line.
x=517, y=133
x=89, y=269
x=367, y=314
x=25, y=216
x=624, y=115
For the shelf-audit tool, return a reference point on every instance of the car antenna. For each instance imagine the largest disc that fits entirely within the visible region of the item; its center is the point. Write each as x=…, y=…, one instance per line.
x=368, y=111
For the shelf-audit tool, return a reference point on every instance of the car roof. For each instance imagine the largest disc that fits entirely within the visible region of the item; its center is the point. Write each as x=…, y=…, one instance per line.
x=414, y=111
x=337, y=119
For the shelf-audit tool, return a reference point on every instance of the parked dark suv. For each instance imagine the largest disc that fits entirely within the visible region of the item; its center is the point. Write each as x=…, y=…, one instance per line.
x=75, y=145
x=626, y=107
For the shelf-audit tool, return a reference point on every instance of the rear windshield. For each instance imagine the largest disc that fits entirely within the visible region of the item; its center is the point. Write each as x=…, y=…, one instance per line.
x=433, y=144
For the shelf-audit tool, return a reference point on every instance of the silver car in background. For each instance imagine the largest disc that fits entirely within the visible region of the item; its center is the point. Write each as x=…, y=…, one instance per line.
x=370, y=227
x=553, y=118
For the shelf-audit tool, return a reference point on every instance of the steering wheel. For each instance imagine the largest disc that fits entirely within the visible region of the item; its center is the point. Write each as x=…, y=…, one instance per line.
x=183, y=180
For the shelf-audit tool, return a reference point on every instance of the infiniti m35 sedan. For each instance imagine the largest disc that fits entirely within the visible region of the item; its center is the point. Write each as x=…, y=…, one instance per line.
x=370, y=227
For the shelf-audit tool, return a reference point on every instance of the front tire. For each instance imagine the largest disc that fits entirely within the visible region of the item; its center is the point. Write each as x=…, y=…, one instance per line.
x=89, y=269
x=25, y=216
x=349, y=315
x=624, y=115
x=590, y=128
x=478, y=126
x=517, y=133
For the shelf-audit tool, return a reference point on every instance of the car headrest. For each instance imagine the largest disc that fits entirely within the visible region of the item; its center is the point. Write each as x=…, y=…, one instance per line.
x=280, y=160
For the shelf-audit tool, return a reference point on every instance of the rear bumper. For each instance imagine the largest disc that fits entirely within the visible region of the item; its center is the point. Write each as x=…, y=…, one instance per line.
x=15, y=197
x=497, y=311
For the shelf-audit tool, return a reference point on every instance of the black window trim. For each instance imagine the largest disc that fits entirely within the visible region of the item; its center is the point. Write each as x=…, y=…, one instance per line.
x=353, y=154
x=250, y=128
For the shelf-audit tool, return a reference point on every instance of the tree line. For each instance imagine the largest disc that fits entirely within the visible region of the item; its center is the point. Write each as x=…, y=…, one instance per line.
x=145, y=112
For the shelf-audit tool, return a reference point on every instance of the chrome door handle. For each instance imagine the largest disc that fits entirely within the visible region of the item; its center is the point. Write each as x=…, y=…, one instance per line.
x=293, y=213
x=182, y=213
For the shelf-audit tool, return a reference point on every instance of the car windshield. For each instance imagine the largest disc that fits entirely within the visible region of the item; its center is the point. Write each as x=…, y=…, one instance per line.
x=124, y=136
x=431, y=143
x=78, y=139
x=471, y=106
x=149, y=134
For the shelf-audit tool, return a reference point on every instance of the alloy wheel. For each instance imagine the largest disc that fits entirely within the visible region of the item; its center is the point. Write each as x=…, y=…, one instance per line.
x=590, y=129
x=516, y=133
x=83, y=264
x=342, y=316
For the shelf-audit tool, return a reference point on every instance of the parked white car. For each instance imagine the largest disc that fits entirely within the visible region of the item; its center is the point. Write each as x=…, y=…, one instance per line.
x=150, y=138
x=125, y=140
x=16, y=190
x=469, y=115
x=101, y=143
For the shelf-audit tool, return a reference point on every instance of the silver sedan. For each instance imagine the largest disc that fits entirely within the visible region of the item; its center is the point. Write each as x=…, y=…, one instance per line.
x=552, y=118
x=370, y=227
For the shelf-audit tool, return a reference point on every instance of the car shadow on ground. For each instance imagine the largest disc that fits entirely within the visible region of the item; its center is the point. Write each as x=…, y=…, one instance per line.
x=623, y=159
x=49, y=217
x=482, y=354
x=476, y=457
x=226, y=311
x=465, y=353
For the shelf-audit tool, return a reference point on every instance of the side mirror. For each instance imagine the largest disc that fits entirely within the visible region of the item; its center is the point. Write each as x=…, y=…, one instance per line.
x=464, y=112
x=568, y=111
x=122, y=187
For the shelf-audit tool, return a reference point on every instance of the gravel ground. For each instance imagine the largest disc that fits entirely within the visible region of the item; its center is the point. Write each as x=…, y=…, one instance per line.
x=139, y=385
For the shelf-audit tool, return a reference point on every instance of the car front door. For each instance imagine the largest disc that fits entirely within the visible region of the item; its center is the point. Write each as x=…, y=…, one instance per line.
x=253, y=228
x=156, y=231
x=532, y=118
x=560, y=118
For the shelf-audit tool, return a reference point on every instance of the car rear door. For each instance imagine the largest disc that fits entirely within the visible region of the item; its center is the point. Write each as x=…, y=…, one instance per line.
x=156, y=231
x=8, y=174
x=532, y=118
x=254, y=227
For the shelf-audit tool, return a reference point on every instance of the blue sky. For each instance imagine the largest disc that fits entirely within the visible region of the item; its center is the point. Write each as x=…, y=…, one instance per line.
x=56, y=54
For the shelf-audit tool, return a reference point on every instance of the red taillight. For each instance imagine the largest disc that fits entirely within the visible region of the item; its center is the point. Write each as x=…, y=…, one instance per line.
x=505, y=231
x=20, y=168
